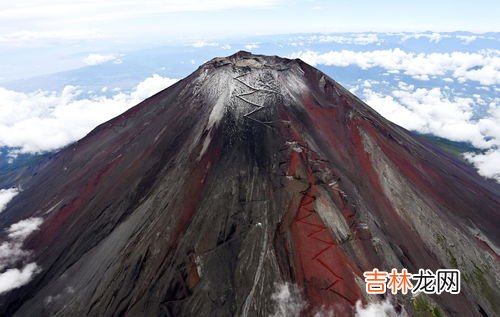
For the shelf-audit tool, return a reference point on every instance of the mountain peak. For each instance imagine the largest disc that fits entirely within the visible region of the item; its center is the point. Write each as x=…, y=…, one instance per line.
x=244, y=58
x=257, y=88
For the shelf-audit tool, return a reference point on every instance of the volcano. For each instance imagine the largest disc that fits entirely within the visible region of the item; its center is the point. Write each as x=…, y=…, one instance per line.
x=256, y=186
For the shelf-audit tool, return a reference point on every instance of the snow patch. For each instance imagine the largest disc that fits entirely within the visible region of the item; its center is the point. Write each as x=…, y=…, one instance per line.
x=217, y=113
x=51, y=209
x=295, y=146
x=204, y=148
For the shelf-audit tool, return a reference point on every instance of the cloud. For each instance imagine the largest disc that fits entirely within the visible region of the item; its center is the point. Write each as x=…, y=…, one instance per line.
x=381, y=309
x=467, y=39
x=358, y=39
x=482, y=66
x=24, y=228
x=203, y=43
x=6, y=195
x=435, y=112
x=433, y=37
x=11, y=254
x=251, y=46
x=428, y=111
x=11, y=250
x=14, y=278
x=487, y=163
x=200, y=44
x=44, y=121
x=96, y=59
x=288, y=300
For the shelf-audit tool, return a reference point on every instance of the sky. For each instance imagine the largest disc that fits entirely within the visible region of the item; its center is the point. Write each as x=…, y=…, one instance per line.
x=40, y=36
x=44, y=22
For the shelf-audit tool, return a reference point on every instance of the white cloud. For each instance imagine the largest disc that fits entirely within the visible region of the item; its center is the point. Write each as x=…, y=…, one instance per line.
x=288, y=301
x=96, y=59
x=42, y=121
x=381, y=309
x=487, y=164
x=14, y=278
x=203, y=43
x=433, y=37
x=433, y=111
x=358, y=39
x=482, y=66
x=467, y=39
x=11, y=253
x=20, y=230
x=251, y=46
x=11, y=250
x=6, y=195
x=200, y=44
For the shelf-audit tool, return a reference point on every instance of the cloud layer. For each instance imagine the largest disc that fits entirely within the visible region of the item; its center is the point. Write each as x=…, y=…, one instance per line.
x=434, y=111
x=43, y=121
x=482, y=66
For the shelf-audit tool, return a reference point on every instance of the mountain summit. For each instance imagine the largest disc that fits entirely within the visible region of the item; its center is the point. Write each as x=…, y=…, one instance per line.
x=255, y=186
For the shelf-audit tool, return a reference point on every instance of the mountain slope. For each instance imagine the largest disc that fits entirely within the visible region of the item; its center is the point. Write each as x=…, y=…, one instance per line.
x=252, y=172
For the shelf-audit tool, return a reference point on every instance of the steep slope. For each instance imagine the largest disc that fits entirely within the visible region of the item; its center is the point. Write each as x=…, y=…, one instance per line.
x=252, y=172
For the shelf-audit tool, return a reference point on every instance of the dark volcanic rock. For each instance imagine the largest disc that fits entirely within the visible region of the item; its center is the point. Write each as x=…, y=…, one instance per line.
x=252, y=172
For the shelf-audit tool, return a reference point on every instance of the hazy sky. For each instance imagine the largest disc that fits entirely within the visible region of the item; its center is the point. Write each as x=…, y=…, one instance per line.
x=45, y=22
